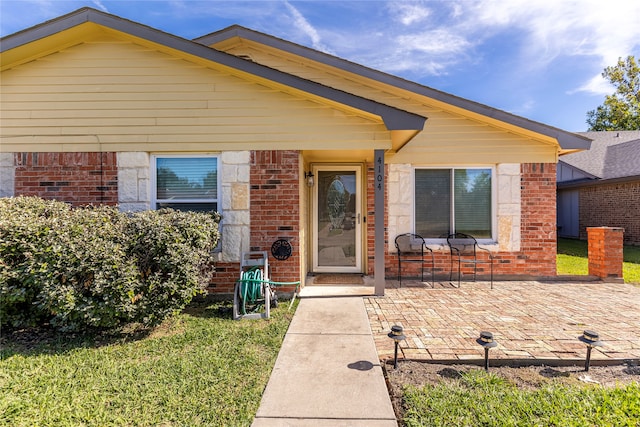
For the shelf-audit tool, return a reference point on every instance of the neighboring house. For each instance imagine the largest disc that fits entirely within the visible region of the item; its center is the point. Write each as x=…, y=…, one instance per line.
x=601, y=186
x=285, y=141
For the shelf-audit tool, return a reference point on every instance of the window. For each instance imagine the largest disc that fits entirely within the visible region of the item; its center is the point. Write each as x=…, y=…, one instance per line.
x=453, y=200
x=185, y=182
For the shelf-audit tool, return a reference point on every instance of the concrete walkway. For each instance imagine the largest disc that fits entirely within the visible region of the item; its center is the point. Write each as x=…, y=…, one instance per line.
x=327, y=372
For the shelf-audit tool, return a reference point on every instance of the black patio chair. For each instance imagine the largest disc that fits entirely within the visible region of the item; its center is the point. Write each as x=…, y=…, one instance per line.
x=411, y=249
x=465, y=248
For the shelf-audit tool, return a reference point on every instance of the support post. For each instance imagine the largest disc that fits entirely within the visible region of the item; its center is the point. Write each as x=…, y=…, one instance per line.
x=379, y=184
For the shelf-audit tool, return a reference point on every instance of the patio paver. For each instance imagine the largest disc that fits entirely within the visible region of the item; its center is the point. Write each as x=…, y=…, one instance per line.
x=530, y=320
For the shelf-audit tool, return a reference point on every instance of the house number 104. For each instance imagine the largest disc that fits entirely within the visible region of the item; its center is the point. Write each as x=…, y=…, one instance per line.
x=379, y=171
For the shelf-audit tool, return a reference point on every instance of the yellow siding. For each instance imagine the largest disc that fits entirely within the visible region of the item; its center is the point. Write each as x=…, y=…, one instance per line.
x=451, y=135
x=114, y=95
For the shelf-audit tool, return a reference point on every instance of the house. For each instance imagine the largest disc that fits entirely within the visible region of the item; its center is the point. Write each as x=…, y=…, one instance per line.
x=601, y=186
x=291, y=145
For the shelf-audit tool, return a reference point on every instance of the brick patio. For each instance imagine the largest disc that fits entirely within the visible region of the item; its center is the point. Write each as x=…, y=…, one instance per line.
x=538, y=321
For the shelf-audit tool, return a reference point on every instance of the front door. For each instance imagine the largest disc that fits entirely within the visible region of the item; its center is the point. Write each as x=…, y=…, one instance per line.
x=337, y=219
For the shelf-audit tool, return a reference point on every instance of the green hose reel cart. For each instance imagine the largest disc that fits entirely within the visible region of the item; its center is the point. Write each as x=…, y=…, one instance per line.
x=254, y=294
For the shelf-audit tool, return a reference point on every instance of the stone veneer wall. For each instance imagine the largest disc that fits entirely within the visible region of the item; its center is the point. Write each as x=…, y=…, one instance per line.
x=7, y=175
x=134, y=188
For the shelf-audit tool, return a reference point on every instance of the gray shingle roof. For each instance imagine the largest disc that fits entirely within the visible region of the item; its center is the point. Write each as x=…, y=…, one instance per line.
x=613, y=154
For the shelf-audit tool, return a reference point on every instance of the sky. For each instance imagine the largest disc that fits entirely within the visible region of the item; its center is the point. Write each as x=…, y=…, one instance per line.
x=539, y=59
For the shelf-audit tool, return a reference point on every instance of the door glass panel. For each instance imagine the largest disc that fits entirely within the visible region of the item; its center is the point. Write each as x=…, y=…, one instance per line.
x=337, y=218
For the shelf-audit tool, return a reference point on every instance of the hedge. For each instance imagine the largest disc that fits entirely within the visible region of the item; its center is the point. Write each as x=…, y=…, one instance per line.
x=98, y=268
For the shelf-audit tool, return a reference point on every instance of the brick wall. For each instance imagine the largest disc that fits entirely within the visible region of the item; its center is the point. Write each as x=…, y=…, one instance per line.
x=605, y=252
x=538, y=245
x=611, y=205
x=224, y=277
x=77, y=178
x=275, y=209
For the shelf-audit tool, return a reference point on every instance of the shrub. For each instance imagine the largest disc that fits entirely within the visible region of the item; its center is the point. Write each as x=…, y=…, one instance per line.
x=25, y=223
x=99, y=268
x=172, y=252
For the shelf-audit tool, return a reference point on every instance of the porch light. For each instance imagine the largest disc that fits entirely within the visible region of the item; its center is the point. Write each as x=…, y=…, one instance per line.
x=309, y=178
x=486, y=340
x=396, y=335
x=591, y=339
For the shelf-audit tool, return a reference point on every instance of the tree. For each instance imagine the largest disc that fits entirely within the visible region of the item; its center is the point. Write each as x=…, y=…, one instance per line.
x=620, y=111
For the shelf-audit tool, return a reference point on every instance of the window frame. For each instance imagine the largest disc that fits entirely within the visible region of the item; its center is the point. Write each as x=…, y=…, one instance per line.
x=154, y=179
x=452, y=169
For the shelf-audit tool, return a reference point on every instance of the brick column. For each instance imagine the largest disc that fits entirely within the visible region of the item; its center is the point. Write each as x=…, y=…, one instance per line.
x=275, y=210
x=605, y=252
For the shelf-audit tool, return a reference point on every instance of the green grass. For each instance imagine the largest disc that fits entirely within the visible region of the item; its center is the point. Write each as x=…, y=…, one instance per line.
x=199, y=369
x=484, y=399
x=572, y=259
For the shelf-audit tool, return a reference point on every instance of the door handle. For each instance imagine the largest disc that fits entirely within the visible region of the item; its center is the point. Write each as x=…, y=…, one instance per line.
x=358, y=218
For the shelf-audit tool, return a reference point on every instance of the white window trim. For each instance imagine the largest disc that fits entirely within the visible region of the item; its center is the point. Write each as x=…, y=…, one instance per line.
x=154, y=177
x=494, y=202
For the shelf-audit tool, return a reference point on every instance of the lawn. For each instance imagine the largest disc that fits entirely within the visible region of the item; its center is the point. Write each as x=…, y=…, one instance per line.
x=572, y=259
x=478, y=398
x=198, y=369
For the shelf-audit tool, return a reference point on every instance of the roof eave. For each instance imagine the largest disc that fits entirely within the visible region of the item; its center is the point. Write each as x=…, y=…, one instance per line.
x=597, y=181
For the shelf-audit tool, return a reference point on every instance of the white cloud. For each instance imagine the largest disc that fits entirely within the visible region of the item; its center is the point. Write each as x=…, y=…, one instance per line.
x=538, y=31
x=597, y=85
x=607, y=29
x=100, y=6
x=417, y=65
x=439, y=41
x=303, y=25
x=409, y=13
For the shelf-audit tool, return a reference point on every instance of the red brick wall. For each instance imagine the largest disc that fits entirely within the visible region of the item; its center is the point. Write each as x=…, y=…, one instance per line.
x=538, y=245
x=275, y=214
x=275, y=209
x=611, y=205
x=224, y=278
x=605, y=252
x=77, y=178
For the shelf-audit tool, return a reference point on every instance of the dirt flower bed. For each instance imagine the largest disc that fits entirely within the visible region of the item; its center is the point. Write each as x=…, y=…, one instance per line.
x=419, y=374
